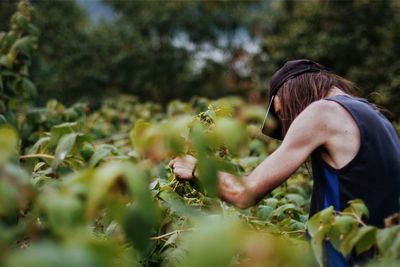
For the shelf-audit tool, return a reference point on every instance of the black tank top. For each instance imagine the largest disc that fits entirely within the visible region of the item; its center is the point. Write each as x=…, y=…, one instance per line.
x=374, y=173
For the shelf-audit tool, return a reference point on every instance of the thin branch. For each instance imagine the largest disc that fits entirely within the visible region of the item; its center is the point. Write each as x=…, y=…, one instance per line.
x=45, y=156
x=170, y=233
x=294, y=232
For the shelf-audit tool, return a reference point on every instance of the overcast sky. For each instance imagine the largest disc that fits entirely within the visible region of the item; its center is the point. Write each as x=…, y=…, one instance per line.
x=96, y=9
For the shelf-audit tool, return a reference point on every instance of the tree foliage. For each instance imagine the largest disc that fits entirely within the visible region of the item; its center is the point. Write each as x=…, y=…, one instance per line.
x=152, y=50
x=17, y=47
x=356, y=39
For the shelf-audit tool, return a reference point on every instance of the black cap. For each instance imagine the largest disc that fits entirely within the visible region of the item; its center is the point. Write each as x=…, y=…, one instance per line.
x=290, y=70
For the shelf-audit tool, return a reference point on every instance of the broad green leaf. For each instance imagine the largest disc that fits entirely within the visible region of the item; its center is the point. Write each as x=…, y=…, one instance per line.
x=296, y=199
x=87, y=253
x=284, y=210
x=272, y=202
x=168, y=195
x=341, y=226
x=15, y=192
x=64, y=212
x=386, y=238
x=8, y=143
x=4, y=61
x=60, y=130
x=394, y=250
x=327, y=215
x=21, y=21
x=65, y=145
x=215, y=242
x=208, y=175
x=264, y=212
x=319, y=220
x=135, y=135
x=138, y=182
x=196, y=184
x=24, y=45
x=357, y=206
x=101, y=152
x=87, y=151
x=367, y=240
x=101, y=182
x=366, y=234
x=36, y=147
x=29, y=87
x=50, y=255
x=138, y=228
x=317, y=243
x=229, y=132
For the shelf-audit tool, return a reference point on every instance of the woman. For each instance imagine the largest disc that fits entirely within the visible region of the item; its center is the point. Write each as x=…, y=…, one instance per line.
x=355, y=150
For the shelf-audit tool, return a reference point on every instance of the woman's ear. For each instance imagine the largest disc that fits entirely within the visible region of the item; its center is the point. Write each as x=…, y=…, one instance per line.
x=277, y=105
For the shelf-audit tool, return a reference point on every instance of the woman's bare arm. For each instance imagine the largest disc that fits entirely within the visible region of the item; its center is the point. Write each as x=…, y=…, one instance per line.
x=308, y=131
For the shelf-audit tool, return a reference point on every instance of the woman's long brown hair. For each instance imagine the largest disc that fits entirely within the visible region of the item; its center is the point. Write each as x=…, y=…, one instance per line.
x=299, y=92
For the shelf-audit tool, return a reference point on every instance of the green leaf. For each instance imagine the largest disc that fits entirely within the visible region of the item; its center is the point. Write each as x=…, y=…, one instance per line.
x=49, y=255
x=366, y=234
x=102, y=152
x=264, y=212
x=341, y=226
x=272, y=202
x=386, y=237
x=135, y=135
x=358, y=207
x=230, y=132
x=197, y=185
x=327, y=215
x=5, y=62
x=24, y=45
x=220, y=251
x=176, y=203
x=65, y=145
x=317, y=244
x=208, y=175
x=64, y=212
x=282, y=211
x=138, y=182
x=138, y=228
x=319, y=220
x=29, y=87
x=101, y=182
x=87, y=151
x=39, y=143
x=297, y=199
x=367, y=240
x=8, y=143
x=21, y=21
x=62, y=129
x=3, y=120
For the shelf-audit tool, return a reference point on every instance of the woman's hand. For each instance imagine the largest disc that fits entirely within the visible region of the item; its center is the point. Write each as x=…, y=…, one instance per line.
x=183, y=167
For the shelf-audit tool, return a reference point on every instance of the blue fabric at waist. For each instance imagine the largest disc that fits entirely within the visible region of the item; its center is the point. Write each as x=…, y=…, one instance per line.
x=332, y=198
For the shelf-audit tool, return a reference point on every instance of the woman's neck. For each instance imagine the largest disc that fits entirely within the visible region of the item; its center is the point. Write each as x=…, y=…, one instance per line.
x=335, y=91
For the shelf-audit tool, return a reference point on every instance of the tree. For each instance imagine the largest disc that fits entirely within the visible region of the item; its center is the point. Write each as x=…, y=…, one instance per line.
x=7, y=8
x=17, y=46
x=63, y=49
x=356, y=39
x=136, y=53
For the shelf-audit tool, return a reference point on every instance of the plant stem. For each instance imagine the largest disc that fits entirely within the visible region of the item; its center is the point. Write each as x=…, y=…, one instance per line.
x=45, y=156
x=170, y=233
x=294, y=232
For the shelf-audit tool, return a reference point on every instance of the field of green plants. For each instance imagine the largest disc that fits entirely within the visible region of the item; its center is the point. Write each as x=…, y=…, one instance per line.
x=91, y=186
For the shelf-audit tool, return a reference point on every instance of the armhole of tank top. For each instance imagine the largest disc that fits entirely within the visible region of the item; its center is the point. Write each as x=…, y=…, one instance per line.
x=361, y=130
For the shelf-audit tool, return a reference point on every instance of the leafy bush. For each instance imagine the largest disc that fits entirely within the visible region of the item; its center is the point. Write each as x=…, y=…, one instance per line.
x=81, y=187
